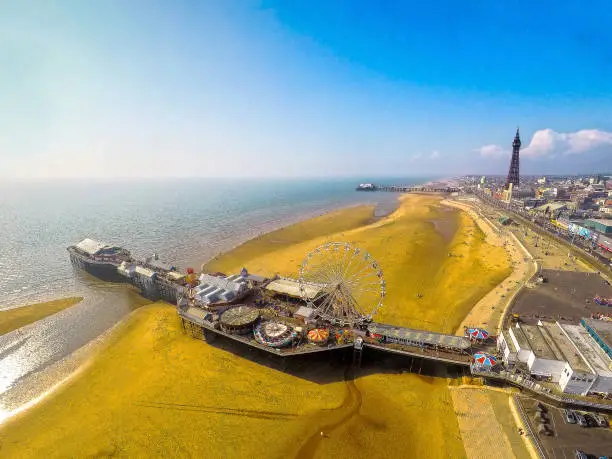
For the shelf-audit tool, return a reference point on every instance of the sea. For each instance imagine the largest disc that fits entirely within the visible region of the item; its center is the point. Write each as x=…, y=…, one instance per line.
x=183, y=221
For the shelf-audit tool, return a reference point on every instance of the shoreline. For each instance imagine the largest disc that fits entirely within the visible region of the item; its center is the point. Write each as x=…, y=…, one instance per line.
x=64, y=371
x=304, y=217
x=18, y=317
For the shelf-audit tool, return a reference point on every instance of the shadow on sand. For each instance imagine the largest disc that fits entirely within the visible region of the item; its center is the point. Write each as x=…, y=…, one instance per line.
x=331, y=366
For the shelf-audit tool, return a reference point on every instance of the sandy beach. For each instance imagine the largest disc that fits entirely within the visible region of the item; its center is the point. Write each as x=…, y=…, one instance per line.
x=488, y=312
x=487, y=423
x=154, y=391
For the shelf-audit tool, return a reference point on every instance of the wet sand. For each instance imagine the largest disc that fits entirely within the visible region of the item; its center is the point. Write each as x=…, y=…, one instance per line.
x=155, y=391
x=152, y=390
x=27, y=353
x=12, y=319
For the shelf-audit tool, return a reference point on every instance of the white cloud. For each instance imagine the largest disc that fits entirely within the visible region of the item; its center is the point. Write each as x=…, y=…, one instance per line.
x=434, y=154
x=492, y=151
x=547, y=143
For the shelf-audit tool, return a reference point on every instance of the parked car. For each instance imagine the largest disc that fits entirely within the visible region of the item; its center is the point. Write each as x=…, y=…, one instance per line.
x=590, y=420
x=580, y=420
x=547, y=431
x=569, y=416
x=601, y=421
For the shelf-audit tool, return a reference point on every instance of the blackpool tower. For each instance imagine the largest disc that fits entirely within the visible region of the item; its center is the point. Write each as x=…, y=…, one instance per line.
x=513, y=173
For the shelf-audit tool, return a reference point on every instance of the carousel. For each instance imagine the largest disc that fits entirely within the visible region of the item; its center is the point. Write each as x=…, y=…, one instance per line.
x=274, y=334
x=239, y=319
x=318, y=336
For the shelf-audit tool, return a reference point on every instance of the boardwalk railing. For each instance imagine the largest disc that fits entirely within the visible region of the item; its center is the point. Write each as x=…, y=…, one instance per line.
x=535, y=439
x=427, y=354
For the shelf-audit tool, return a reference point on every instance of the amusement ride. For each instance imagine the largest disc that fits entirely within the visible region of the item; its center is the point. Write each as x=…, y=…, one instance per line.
x=347, y=282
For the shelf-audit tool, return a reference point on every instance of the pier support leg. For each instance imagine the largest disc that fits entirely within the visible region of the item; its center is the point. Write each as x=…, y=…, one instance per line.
x=209, y=337
x=357, y=354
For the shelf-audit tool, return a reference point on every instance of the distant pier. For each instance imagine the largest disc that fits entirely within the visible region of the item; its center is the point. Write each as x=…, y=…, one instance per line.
x=406, y=188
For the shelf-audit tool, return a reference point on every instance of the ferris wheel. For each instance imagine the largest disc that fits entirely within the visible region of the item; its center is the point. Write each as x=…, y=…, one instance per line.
x=342, y=283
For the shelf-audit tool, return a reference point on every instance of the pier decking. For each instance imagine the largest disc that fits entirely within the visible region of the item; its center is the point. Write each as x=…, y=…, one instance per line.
x=409, y=189
x=195, y=323
x=198, y=327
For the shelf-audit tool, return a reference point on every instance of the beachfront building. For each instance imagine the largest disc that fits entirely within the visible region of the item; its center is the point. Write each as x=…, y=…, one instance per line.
x=564, y=354
x=505, y=345
x=536, y=346
x=599, y=362
x=214, y=289
x=603, y=226
x=601, y=332
x=577, y=374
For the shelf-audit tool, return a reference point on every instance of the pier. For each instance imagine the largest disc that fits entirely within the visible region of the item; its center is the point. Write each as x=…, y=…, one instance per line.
x=407, y=188
x=198, y=327
x=283, y=326
x=204, y=320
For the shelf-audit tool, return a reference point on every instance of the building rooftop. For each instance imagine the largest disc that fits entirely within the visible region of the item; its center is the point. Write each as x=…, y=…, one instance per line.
x=556, y=340
x=551, y=206
x=145, y=271
x=521, y=338
x=175, y=275
x=509, y=341
x=420, y=336
x=304, y=311
x=91, y=246
x=603, y=221
x=603, y=329
x=291, y=287
x=596, y=357
x=226, y=283
x=565, y=348
x=540, y=345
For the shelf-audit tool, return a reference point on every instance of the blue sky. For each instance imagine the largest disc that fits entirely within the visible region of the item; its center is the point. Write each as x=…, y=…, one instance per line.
x=312, y=88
